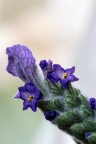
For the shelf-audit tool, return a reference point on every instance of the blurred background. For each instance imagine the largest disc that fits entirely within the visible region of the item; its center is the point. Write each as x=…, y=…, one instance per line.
x=61, y=30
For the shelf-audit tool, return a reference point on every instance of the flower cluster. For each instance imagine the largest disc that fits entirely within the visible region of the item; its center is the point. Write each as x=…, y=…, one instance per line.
x=56, y=73
x=21, y=63
x=49, y=88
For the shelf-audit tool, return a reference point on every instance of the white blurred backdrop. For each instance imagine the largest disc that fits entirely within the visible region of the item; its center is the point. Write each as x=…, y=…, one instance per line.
x=61, y=30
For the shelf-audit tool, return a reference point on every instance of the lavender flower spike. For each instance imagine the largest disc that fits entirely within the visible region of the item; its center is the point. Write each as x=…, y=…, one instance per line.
x=20, y=58
x=50, y=89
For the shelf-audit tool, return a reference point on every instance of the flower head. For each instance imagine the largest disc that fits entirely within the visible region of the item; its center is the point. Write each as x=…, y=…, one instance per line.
x=51, y=115
x=45, y=66
x=19, y=58
x=87, y=134
x=92, y=103
x=62, y=75
x=30, y=96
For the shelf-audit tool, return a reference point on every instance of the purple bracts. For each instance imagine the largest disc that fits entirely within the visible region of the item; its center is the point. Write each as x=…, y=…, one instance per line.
x=19, y=58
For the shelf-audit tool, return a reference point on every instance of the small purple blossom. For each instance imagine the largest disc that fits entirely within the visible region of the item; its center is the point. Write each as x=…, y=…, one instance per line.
x=92, y=103
x=51, y=115
x=45, y=66
x=87, y=134
x=30, y=96
x=19, y=59
x=62, y=75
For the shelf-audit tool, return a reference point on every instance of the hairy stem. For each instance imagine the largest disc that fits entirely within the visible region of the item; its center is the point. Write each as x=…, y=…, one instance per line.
x=76, y=117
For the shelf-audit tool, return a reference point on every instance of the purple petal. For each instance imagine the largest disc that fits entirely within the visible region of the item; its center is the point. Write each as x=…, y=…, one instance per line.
x=72, y=78
x=30, y=87
x=18, y=96
x=58, y=69
x=56, y=66
x=24, y=94
x=70, y=71
x=53, y=76
x=43, y=64
x=46, y=65
x=22, y=89
x=56, y=74
x=38, y=95
x=19, y=58
x=64, y=82
x=25, y=105
x=33, y=105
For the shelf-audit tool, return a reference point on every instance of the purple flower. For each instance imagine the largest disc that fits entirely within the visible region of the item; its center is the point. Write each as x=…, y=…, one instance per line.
x=51, y=115
x=20, y=58
x=92, y=103
x=87, y=134
x=45, y=66
x=62, y=75
x=30, y=96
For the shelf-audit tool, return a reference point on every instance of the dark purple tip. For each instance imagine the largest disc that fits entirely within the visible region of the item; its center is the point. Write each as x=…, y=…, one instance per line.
x=87, y=134
x=51, y=115
x=43, y=64
x=92, y=103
